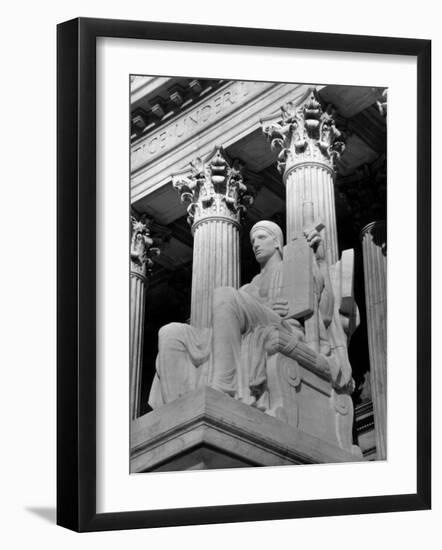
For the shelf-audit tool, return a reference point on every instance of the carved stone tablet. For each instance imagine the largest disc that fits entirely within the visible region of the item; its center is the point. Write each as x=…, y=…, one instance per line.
x=297, y=278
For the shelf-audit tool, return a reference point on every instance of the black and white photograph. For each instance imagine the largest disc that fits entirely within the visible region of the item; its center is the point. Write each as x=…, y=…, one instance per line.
x=258, y=273
x=220, y=292
x=243, y=266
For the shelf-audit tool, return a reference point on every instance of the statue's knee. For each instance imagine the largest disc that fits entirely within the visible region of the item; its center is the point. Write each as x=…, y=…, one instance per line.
x=223, y=296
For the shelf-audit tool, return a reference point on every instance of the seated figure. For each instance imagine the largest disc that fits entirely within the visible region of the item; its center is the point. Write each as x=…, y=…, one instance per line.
x=250, y=327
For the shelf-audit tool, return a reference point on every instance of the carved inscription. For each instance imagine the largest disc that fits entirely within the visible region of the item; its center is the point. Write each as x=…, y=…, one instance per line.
x=184, y=127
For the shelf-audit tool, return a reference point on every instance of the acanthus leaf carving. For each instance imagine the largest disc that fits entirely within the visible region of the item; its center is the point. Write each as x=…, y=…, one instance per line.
x=214, y=186
x=142, y=248
x=305, y=132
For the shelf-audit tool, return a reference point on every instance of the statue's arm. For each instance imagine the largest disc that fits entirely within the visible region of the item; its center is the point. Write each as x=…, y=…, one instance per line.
x=327, y=298
x=291, y=343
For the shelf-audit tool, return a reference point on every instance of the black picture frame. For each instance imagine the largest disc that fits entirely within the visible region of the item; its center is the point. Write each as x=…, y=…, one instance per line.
x=76, y=274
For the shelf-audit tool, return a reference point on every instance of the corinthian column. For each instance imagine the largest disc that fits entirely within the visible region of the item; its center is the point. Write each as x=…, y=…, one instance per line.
x=374, y=240
x=141, y=250
x=309, y=143
x=217, y=196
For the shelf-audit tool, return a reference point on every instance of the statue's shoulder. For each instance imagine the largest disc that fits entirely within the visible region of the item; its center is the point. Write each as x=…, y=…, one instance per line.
x=255, y=281
x=252, y=287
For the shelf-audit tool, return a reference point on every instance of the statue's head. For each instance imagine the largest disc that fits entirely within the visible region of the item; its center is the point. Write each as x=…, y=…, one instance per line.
x=266, y=239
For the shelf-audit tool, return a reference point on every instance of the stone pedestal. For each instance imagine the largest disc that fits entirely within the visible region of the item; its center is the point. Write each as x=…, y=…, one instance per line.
x=374, y=248
x=216, y=195
x=207, y=429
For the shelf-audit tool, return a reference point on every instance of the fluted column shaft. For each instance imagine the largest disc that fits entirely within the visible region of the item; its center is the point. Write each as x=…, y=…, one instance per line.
x=137, y=312
x=215, y=264
x=312, y=182
x=217, y=196
x=141, y=250
x=373, y=238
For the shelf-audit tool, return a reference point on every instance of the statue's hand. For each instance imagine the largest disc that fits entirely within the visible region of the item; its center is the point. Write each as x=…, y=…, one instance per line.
x=282, y=338
x=315, y=242
x=280, y=306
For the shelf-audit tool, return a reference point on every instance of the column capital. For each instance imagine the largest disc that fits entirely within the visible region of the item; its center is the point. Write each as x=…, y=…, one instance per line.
x=378, y=233
x=142, y=247
x=373, y=226
x=214, y=188
x=305, y=133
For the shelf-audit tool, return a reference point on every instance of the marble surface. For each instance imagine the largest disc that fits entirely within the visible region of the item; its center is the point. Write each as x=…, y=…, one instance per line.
x=208, y=429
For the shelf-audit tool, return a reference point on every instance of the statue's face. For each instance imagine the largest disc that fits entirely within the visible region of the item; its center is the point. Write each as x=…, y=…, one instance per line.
x=264, y=246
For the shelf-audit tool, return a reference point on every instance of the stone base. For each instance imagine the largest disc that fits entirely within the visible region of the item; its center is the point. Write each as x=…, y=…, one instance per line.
x=208, y=429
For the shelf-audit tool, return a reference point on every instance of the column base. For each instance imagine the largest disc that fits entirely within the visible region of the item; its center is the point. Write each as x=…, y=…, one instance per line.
x=207, y=429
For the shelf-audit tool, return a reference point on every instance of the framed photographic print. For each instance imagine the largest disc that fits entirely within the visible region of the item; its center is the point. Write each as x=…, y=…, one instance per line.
x=243, y=274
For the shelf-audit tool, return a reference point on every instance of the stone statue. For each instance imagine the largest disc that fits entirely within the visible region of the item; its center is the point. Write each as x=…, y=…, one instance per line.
x=279, y=343
x=259, y=353
x=248, y=325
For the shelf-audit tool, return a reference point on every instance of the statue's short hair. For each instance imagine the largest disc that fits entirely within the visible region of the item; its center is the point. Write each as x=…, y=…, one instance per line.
x=272, y=229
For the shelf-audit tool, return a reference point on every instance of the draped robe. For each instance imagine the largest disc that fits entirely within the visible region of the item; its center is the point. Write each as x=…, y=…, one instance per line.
x=233, y=357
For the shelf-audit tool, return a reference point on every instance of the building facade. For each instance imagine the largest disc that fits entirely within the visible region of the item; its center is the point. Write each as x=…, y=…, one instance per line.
x=181, y=251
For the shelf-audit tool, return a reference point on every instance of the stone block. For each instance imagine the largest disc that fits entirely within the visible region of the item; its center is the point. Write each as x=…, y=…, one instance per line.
x=208, y=429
